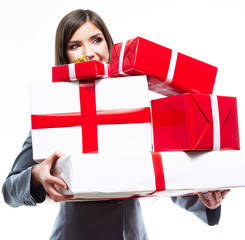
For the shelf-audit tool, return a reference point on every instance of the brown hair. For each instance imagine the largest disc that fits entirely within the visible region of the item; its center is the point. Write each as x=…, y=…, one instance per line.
x=68, y=26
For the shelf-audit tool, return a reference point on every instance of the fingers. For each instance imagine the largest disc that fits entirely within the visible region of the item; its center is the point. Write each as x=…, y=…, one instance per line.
x=210, y=201
x=206, y=201
x=218, y=197
x=214, y=198
x=203, y=199
x=224, y=193
x=211, y=198
x=56, y=195
x=53, y=158
x=52, y=185
x=54, y=180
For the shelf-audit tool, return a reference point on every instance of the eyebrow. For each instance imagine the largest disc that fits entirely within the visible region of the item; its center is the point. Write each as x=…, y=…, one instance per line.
x=93, y=36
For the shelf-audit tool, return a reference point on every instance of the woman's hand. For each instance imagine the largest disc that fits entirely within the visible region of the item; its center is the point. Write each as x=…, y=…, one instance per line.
x=214, y=198
x=41, y=175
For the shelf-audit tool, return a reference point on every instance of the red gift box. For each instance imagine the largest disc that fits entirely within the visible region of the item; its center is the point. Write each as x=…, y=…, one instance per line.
x=195, y=122
x=164, y=67
x=81, y=71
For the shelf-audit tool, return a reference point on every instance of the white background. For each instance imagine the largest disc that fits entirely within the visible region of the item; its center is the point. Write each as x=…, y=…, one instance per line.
x=210, y=30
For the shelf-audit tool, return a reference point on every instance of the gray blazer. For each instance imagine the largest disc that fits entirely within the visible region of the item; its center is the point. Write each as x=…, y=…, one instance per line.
x=104, y=220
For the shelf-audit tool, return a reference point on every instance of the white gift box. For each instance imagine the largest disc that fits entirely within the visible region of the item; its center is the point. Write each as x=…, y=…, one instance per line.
x=108, y=115
x=125, y=175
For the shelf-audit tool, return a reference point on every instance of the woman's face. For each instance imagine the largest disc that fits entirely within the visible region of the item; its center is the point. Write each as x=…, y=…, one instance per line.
x=88, y=41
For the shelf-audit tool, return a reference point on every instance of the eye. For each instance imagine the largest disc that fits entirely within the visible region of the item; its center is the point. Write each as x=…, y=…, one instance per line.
x=73, y=46
x=97, y=40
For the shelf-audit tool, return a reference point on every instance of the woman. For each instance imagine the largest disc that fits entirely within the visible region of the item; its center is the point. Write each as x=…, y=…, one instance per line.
x=83, y=32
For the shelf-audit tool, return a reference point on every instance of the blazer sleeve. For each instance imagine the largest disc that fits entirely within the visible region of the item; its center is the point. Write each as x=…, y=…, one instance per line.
x=193, y=204
x=16, y=189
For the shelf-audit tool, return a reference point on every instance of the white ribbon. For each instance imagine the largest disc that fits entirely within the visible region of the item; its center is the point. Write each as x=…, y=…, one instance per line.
x=105, y=69
x=120, y=70
x=171, y=68
x=72, y=72
x=216, y=122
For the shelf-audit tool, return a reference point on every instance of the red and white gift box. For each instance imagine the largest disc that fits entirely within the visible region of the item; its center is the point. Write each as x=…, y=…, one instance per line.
x=195, y=122
x=80, y=71
x=127, y=175
x=91, y=116
x=169, y=72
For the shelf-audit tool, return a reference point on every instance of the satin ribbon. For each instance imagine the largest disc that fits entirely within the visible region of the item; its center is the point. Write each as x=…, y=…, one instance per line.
x=121, y=57
x=89, y=117
x=106, y=74
x=158, y=170
x=216, y=122
x=72, y=72
x=73, y=119
x=172, y=66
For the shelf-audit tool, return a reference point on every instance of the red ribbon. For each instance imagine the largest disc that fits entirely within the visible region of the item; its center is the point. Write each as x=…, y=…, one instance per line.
x=89, y=117
x=158, y=169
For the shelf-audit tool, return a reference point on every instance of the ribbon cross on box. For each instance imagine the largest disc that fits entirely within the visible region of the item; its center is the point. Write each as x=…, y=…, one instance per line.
x=89, y=105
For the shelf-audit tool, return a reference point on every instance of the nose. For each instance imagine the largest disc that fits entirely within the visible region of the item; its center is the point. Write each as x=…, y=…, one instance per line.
x=88, y=52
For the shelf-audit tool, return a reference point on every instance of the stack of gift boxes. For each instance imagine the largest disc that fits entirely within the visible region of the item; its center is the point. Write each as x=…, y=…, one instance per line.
x=121, y=145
